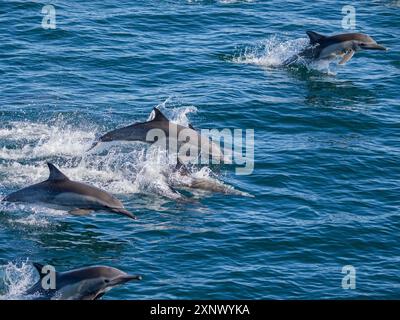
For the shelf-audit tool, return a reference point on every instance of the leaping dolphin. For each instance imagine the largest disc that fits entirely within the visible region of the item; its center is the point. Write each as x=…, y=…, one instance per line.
x=140, y=132
x=89, y=283
x=59, y=192
x=330, y=47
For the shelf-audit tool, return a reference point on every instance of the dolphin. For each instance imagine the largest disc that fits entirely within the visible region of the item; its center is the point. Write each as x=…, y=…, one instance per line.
x=208, y=185
x=59, y=192
x=330, y=47
x=142, y=131
x=183, y=178
x=89, y=283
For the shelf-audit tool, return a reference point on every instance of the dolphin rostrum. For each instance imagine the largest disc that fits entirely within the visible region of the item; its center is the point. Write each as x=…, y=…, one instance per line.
x=149, y=132
x=89, y=283
x=330, y=47
x=59, y=192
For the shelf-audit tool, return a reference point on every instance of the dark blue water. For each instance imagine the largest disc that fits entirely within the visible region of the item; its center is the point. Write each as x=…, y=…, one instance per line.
x=326, y=178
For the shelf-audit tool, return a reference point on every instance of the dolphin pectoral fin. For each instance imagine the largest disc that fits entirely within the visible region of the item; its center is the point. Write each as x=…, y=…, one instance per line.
x=347, y=56
x=99, y=296
x=80, y=212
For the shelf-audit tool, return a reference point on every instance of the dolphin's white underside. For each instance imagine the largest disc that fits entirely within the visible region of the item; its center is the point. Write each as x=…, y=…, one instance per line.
x=65, y=201
x=84, y=289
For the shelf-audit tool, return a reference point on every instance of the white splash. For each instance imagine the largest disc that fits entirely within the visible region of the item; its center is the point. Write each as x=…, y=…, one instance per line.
x=43, y=140
x=271, y=53
x=15, y=279
x=30, y=215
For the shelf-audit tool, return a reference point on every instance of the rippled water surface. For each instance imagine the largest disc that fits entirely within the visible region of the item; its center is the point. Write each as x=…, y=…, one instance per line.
x=326, y=177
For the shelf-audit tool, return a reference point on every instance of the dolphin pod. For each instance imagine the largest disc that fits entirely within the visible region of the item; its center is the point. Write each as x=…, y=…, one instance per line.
x=59, y=192
x=330, y=47
x=89, y=283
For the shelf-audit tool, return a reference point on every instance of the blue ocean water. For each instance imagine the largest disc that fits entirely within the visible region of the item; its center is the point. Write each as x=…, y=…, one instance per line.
x=326, y=177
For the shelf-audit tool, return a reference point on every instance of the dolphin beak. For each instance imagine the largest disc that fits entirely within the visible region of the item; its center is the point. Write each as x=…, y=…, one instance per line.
x=374, y=46
x=124, y=279
x=124, y=213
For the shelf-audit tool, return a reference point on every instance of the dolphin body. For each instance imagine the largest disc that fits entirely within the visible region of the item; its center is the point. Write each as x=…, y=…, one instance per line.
x=208, y=185
x=59, y=192
x=140, y=132
x=89, y=283
x=182, y=178
x=330, y=47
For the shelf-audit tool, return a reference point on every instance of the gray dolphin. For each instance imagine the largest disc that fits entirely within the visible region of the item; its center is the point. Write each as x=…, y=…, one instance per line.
x=59, y=192
x=89, y=283
x=209, y=185
x=140, y=132
x=330, y=47
x=183, y=178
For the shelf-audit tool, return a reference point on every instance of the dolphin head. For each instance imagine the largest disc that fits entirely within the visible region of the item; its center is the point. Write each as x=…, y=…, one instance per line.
x=365, y=42
x=110, y=277
x=87, y=283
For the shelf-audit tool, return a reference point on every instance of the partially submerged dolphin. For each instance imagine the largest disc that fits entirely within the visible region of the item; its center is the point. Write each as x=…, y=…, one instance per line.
x=330, y=47
x=59, y=192
x=142, y=131
x=183, y=178
x=89, y=283
x=208, y=185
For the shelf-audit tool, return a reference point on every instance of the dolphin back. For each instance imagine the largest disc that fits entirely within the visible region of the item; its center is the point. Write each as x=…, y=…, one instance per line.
x=33, y=194
x=134, y=132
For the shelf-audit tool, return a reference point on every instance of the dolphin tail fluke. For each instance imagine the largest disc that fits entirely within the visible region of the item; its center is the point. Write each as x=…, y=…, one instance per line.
x=181, y=167
x=124, y=212
x=290, y=61
x=93, y=145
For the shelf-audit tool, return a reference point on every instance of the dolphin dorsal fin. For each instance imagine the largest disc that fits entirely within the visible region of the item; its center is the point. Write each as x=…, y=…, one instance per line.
x=315, y=37
x=39, y=268
x=55, y=174
x=158, y=116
